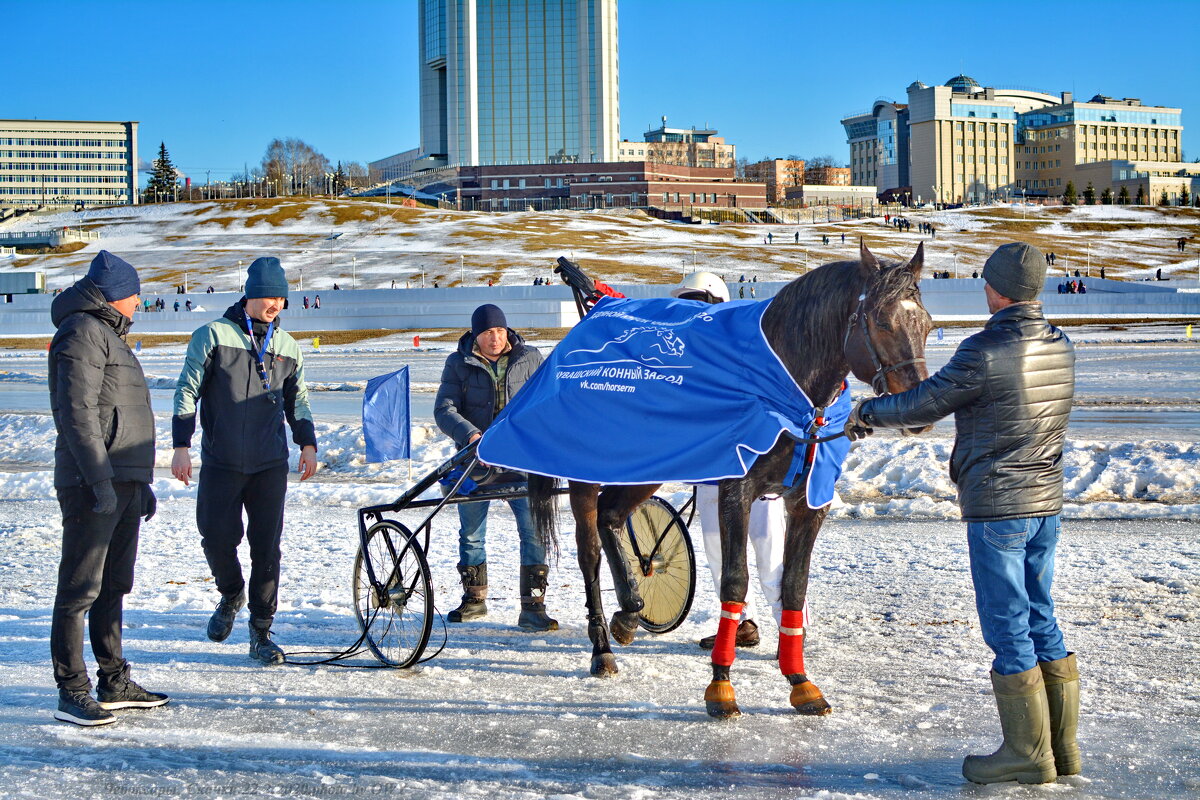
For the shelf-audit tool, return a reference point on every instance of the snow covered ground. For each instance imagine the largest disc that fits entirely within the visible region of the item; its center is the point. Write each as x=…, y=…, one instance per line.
x=503, y=714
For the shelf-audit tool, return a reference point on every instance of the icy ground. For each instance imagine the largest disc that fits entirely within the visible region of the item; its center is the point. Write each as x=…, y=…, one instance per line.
x=504, y=714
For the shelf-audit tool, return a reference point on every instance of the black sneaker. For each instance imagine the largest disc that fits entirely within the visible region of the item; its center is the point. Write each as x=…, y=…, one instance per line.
x=120, y=692
x=81, y=709
x=221, y=623
x=262, y=648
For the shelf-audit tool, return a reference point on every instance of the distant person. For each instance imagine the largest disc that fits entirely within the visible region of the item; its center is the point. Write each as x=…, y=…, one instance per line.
x=1102, y=273
x=177, y=305
x=317, y=302
x=305, y=302
x=102, y=481
x=797, y=237
x=188, y=305
x=337, y=288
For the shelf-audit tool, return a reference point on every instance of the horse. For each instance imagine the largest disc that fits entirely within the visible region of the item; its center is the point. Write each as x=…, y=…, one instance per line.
x=862, y=316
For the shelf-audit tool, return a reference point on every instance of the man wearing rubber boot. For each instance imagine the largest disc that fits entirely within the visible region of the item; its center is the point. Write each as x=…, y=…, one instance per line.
x=491, y=364
x=103, y=466
x=1009, y=388
x=247, y=374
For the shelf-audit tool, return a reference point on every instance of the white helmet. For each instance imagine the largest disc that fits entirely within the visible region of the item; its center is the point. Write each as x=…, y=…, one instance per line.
x=703, y=282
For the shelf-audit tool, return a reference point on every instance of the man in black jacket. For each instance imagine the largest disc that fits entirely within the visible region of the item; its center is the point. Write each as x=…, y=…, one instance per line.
x=1009, y=388
x=103, y=466
x=491, y=363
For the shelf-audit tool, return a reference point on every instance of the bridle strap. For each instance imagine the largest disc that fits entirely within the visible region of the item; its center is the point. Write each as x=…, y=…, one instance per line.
x=878, y=381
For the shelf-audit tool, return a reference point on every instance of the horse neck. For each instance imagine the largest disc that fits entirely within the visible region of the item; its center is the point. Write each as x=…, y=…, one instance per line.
x=805, y=324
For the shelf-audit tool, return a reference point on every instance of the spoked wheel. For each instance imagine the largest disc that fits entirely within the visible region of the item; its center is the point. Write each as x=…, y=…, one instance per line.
x=393, y=594
x=660, y=551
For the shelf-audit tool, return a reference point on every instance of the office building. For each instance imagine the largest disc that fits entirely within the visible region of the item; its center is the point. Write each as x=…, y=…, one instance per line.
x=65, y=163
x=778, y=174
x=684, y=147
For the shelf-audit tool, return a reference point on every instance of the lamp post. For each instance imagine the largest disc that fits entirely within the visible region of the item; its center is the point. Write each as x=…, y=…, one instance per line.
x=461, y=260
x=353, y=272
x=956, y=263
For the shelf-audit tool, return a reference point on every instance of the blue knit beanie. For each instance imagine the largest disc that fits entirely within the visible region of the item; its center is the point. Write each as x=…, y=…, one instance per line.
x=265, y=278
x=486, y=317
x=114, y=277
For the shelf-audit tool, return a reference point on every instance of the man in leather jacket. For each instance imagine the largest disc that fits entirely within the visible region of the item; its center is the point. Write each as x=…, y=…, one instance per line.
x=1010, y=388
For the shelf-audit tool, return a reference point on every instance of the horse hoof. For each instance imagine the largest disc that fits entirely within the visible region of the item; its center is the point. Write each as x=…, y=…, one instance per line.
x=808, y=700
x=623, y=627
x=720, y=700
x=604, y=665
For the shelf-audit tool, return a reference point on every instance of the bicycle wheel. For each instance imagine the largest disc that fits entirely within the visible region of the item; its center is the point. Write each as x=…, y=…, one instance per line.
x=664, y=564
x=393, y=598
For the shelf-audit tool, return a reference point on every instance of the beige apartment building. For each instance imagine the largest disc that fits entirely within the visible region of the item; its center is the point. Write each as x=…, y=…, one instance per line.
x=778, y=174
x=680, y=147
x=56, y=163
x=962, y=142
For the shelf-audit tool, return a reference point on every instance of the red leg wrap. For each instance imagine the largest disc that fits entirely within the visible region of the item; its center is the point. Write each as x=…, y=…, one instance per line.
x=791, y=643
x=723, y=650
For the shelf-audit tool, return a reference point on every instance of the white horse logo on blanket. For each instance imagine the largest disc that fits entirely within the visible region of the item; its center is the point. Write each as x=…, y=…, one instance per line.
x=658, y=340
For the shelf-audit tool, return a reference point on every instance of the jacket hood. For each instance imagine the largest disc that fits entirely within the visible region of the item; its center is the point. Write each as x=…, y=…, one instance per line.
x=466, y=343
x=83, y=297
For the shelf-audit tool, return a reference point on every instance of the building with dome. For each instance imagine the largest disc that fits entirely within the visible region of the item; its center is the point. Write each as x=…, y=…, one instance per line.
x=962, y=142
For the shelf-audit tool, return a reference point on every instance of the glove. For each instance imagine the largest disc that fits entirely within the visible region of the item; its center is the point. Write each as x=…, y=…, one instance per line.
x=855, y=427
x=149, y=502
x=106, y=497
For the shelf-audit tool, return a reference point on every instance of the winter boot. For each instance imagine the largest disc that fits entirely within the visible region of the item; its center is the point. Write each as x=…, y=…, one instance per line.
x=261, y=647
x=474, y=581
x=533, y=599
x=81, y=709
x=1026, y=755
x=118, y=691
x=221, y=623
x=1062, y=694
x=747, y=636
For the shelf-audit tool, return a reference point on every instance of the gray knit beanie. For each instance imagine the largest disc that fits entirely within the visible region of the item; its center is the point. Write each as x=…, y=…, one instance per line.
x=1016, y=270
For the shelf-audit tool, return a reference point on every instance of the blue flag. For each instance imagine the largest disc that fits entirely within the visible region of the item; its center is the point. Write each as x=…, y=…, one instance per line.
x=386, y=417
x=939, y=334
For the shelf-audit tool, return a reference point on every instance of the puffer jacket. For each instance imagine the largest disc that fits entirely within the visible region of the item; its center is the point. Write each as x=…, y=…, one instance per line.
x=98, y=394
x=1010, y=388
x=243, y=427
x=466, y=398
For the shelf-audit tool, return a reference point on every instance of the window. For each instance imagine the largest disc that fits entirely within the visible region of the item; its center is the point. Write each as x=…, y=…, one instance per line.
x=495, y=183
x=507, y=185
x=521, y=184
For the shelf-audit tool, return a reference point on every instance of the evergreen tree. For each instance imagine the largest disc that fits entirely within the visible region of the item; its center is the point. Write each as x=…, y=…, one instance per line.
x=1089, y=194
x=1163, y=199
x=339, y=179
x=1069, y=196
x=1141, y=196
x=1123, y=197
x=163, y=178
x=1106, y=197
x=1185, y=198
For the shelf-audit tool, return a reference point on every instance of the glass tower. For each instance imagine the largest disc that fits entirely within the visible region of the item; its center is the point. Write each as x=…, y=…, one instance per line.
x=518, y=81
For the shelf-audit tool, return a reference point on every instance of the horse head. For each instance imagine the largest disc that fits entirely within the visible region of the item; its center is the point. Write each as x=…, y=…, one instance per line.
x=669, y=343
x=885, y=339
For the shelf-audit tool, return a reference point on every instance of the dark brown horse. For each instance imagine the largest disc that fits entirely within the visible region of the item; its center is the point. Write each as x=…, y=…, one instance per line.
x=862, y=316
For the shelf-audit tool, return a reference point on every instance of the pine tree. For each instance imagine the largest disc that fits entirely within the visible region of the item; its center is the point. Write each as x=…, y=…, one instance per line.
x=1069, y=196
x=1123, y=196
x=1089, y=194
x=1185, y=198
x=339, y=179
x=1106, y=197
x=163, y=178
x=1141, y=196
x=1164, y=199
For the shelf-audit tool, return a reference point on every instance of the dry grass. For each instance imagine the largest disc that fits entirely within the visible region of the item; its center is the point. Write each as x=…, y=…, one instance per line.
x=58, y=250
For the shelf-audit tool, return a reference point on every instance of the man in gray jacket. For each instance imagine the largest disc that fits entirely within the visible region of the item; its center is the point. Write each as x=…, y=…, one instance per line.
x=103, y=466
x=1009, y=388
x=491, y=363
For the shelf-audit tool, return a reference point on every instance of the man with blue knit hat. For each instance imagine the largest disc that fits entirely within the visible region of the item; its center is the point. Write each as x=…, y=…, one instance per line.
x=247, y=375
x=103, y=466
x=491, y=363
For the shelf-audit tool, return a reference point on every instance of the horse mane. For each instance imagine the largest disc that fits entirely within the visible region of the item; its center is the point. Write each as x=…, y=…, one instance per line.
x=806, y=321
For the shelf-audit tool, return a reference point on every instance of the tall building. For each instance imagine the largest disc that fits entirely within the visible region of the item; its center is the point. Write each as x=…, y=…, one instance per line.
x=962, y=142
x=61, y=163
x=685, y=147
x=778, y=174
x=517, y=82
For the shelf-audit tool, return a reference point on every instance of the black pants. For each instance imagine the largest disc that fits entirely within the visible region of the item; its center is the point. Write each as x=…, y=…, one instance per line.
x=220, y=498
x=94, y=575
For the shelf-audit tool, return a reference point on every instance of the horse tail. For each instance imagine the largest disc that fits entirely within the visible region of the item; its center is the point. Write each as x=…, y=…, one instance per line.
x=543, y=506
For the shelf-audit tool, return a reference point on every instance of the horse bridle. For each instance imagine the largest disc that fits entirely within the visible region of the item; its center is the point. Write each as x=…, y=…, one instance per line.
x=878, y=382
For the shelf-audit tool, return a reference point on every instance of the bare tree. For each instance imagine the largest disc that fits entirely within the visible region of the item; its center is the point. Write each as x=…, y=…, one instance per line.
x=293, y=165
x=356, y=174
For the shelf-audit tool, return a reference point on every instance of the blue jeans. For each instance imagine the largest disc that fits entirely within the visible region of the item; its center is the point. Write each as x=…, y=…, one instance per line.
x=472, y=533
x=1012, y=567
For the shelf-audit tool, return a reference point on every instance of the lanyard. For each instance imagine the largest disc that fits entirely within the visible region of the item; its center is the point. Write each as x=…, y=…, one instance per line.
x=259, y=353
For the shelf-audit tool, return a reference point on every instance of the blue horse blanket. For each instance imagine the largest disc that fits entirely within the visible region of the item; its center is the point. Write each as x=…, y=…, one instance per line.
x=654, y=391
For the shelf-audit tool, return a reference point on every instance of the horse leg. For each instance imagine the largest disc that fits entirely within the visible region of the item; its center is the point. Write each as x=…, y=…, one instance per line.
x=733, y=504
x=615, y=505
x=803, y=525
x=583, y=507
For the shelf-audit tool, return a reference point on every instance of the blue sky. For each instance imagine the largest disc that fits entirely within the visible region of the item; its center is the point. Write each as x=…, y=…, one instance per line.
x=217, y=80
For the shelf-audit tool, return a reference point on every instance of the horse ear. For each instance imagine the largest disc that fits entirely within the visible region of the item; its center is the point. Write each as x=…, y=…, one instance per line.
x=917, y=262
x=866, y=258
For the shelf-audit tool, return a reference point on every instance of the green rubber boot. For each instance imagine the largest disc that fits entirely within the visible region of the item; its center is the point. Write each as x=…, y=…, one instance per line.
x=1062, y=694
x=1026, y=755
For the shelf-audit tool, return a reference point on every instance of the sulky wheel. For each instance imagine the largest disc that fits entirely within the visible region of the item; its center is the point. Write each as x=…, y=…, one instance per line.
x=393, y=594
x=660, y=551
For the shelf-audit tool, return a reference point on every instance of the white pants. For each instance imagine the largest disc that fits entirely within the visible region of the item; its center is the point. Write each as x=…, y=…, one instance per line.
x=768, y=523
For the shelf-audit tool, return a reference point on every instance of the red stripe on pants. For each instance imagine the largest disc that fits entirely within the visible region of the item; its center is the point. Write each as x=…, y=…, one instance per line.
x=723, y=650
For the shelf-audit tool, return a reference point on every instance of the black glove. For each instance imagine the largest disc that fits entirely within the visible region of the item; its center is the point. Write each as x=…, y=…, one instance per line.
x=149, y=502
x=855, y=428
x=106, y=497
